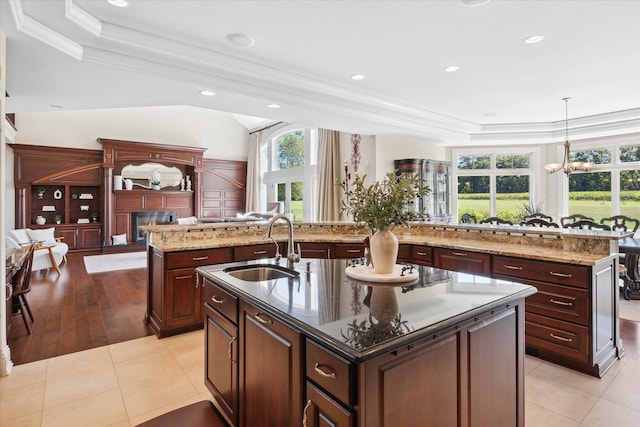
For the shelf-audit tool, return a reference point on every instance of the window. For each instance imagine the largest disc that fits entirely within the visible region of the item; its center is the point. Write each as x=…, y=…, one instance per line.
x=288, y=166
x=491, y=184
x=612, y=187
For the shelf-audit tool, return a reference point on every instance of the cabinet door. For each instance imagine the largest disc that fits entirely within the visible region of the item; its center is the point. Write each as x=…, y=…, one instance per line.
x=322, y=411
x=270, y=372
x=221, y=367
x=496, y=381
x=420, y=387
x=184, y=297
x=69, y=236
x=90, y=237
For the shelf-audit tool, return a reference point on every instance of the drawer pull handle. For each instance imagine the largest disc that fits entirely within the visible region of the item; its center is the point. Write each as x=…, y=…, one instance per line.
x=567, y=304
x=259, y=252
x=553, y=273
x=459, y=254
x=230, y=349
x=304, y=413
x=561, y=338
x=422, y=253
x=513, y=267
x=216, y=300
x=261, y=319
x=325, y=374
x=200, y=258
x=353, y=251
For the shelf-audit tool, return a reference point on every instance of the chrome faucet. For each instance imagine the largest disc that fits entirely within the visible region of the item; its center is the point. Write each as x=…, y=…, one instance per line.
x=292, y=256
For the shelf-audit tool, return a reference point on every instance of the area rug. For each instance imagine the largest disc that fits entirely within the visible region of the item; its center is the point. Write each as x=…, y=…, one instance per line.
x=114, y=262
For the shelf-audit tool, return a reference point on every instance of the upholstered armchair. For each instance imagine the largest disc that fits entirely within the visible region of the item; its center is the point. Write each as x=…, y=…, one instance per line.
x=50, y=252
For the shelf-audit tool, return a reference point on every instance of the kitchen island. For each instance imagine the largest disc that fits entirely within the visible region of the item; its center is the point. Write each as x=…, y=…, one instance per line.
x=318, y=348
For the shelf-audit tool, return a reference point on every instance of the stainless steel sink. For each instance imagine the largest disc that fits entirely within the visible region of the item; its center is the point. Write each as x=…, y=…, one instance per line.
x=260, y=272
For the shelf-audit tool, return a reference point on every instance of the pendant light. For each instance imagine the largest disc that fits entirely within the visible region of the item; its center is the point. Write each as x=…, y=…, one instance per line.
x=566, y=166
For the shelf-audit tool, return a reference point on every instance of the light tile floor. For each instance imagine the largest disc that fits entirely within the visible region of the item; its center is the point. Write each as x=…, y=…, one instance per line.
x=127, y=383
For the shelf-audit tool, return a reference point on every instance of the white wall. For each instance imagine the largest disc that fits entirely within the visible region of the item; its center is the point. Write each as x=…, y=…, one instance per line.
x=389, y=149
x=217, y=131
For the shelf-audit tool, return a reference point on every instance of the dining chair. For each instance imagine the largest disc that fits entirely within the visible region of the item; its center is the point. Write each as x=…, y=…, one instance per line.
x=539, y=222
x=586, y=224
x=566, y=220
x=21, y=283
x=468, y=218
x=537, y=215
x=621, y=223
x=495, y=221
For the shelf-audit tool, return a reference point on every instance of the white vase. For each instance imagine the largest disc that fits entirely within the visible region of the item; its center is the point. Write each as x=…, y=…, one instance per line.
x=117, y=182
x=155, y=187
x=128, y=184
x=384, y=251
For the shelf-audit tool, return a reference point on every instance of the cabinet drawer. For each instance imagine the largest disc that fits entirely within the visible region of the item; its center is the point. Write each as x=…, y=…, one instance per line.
x=462, y=261
x=349, y=250
x=331, y=372
x=548, y=335
x=221, y=301
x=315, y=250
x=560, y=302
x=199, y=257
x=549, y=272
x=422, y=255
x=245, y=253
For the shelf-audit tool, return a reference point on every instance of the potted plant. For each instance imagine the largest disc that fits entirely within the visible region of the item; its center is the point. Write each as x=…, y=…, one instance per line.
x=40, y=189
x=58, y=219
x=94, y=216
x=154, y=179
x=382, y=206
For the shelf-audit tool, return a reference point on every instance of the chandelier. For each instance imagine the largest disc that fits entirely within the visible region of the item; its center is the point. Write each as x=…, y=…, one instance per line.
x=566, y=166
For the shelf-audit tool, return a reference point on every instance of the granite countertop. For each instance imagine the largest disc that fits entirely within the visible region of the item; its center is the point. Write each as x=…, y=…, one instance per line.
x=541, y=253
x=332, y=308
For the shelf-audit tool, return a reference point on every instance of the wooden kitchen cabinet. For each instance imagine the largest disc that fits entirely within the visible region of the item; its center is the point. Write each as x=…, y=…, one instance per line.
x=321, y=410
x=175, y=295
x=422, y=255
x=271, y=385
x=266, y=250
x=462, y=261
x=183, y=290
x=561, y=325
x=348, y=250
x=315, y=250
x=221, y=355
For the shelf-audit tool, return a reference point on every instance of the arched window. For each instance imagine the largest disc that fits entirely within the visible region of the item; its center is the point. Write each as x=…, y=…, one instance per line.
x=288, y=165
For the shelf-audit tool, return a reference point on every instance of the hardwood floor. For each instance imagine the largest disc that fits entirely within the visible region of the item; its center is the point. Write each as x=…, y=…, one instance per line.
x=78, y=311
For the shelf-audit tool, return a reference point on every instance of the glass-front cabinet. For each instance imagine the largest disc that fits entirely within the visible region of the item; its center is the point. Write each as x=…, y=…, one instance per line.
x=437, y=176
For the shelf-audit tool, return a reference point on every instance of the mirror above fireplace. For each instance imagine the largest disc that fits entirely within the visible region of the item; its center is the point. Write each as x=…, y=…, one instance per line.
x=141, y=174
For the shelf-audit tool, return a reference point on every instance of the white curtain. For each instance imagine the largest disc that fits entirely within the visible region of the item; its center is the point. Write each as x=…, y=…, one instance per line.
x=328, y=175
x=253, y=174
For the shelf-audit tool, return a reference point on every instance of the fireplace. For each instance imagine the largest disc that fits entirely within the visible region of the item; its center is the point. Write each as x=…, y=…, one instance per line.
x=149, y=218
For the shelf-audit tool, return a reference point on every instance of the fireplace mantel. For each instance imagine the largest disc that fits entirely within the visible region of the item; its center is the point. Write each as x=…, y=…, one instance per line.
x=120, y=204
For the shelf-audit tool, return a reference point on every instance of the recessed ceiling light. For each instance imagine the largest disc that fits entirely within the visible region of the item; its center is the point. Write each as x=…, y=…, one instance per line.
x=59, y=107
x=536, y=38
x=451, y=68
x=241, y=40
x=474, y=3
x=273, y=105
x=207, y=93
x=357, y=77
x=118, y=3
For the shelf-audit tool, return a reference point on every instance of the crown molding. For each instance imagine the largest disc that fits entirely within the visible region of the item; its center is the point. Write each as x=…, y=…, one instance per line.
x=82, y=18
x=230, y=71
x=43, y=33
